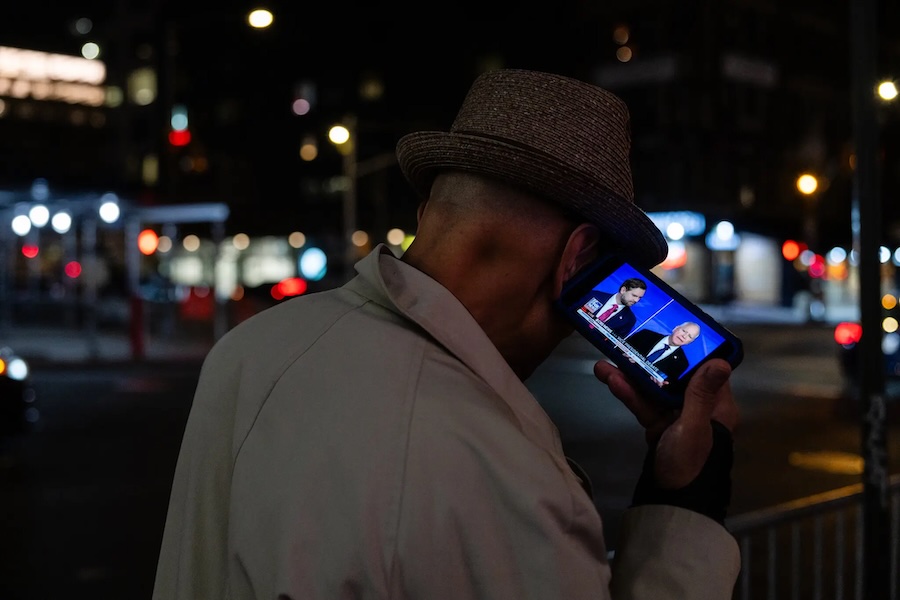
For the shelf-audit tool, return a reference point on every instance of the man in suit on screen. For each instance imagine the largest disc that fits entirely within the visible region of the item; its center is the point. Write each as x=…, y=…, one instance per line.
x=666, y=351
x=615, y=309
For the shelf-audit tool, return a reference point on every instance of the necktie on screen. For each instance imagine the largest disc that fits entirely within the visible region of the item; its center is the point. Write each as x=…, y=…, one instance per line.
x=656, y=354
x=608, y=312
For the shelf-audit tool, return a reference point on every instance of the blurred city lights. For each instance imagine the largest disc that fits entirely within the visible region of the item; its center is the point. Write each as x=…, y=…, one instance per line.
x=313, y=264
x=888, y=301
x=724, y=230
x=90, y=50
x=30, y=250
x=884, y=254
x=339, y=134
x=836, y=255
x=807, y=184
x=890, y=343
x=40, y=190
x=164, y=244
x=847, y=333
x=179, y=118
x=407, y=241
x=676, y=258
x=309, y=150
x=296, y=239
x=395, y=236
x=83, y=26
x=260, y=18
x=889, y=324
x=897, y=257
x=61, y=222
x=39, y=215
x=300, y=106
x=359, y=238
x=624, y=54
x=142, y=86
x=109, y=208
x=817, y=266
x=292, y=286
x=241, y=241
x=148, y=242
x=675, y=231
x=180, y=138
x=17, y=369
x=72, y=269
x=887, y=90
x=723, y=237
x=191, y=243
x=693, y=223
x=21, y=225
x=790, y=250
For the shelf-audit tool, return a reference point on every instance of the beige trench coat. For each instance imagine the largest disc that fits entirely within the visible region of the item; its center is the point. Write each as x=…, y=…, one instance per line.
x=370, y=442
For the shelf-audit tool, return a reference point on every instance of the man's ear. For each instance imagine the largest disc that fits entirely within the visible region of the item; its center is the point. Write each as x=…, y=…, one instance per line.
x=581, y=248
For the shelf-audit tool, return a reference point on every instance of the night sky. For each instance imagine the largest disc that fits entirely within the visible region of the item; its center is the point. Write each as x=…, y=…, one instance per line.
x=239, y=83
x=426, y=57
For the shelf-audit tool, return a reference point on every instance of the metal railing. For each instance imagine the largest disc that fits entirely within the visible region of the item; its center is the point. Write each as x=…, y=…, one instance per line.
x=800, y=549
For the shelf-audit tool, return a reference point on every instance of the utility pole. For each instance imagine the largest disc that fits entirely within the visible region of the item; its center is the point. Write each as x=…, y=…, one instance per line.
x=866, y=226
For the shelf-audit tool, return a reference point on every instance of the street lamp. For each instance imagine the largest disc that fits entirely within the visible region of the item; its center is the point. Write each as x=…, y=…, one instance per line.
x=887, y=91
x=807, y=184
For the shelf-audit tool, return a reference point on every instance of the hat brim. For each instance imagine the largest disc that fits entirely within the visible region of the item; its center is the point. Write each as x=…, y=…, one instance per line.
x=422, y=155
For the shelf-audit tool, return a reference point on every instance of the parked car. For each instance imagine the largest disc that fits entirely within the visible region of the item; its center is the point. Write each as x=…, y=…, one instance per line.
x=18, y=412
x=847, y=335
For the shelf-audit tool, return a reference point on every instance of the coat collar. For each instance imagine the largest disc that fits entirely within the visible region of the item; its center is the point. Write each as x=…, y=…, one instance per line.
x=403, y=289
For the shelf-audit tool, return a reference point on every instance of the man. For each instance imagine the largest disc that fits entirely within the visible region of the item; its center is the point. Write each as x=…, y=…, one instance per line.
x=665, y=351
x=378, y=441
x=615, y=309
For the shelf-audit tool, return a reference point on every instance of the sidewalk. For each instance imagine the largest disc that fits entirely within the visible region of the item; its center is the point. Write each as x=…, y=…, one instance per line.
x=60, y=345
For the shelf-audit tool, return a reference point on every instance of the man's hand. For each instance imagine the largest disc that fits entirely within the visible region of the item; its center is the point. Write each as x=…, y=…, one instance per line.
x=684, y=437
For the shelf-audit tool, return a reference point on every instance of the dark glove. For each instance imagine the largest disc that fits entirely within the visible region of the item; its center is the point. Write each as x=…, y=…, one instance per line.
x=708, y=494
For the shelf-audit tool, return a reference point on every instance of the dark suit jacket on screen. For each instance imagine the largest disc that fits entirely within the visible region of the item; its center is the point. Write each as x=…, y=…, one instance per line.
x=621, y=322
x=673, y=365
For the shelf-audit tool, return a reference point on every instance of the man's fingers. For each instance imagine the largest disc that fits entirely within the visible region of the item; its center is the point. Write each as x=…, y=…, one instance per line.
x=704, y=392
x=648, y=415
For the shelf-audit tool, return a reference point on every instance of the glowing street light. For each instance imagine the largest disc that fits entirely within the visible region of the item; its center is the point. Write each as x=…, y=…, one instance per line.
x=260, y=18
x=807, y=184
x=887, y=90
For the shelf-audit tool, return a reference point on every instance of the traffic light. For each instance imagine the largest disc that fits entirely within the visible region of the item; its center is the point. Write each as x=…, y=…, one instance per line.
x=179, y=133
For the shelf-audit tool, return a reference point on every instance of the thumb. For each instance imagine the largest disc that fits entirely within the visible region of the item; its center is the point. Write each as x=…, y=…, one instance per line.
x=684, y=447
x=703, y=392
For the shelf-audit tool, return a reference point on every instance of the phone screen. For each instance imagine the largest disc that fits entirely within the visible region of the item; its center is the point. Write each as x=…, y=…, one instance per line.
x=645, y=326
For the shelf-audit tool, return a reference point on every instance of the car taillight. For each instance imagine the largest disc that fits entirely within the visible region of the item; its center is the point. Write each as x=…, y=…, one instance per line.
x=847, y=333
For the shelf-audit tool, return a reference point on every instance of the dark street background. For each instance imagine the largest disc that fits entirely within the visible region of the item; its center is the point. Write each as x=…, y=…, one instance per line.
x=84, y=496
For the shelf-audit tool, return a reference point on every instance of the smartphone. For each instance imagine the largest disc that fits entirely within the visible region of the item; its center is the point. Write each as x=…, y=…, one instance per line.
x=647, y=328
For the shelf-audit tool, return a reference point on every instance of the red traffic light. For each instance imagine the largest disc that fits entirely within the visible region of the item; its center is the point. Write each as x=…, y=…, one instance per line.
x=180, y=138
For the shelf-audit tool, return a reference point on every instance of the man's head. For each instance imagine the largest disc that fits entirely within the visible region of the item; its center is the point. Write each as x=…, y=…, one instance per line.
x=554, y=137
x=631, y=291
x=684, y=334
x=531, y=182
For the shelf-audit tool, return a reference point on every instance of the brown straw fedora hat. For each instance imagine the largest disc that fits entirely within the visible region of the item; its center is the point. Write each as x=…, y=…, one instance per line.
x=554, y=136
